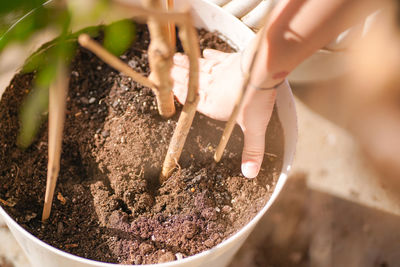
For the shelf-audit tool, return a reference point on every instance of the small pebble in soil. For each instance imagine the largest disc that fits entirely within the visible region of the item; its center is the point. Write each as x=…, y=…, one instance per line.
x=179, y=256
x=137, y=260
x=209, y=243
x=61, y=198
x=226, y=209
x=92, y=100
x=84, y=100
x=105, y=133
x=30, y=216
x=145, y=248
x=60, y=228
x=168, y=256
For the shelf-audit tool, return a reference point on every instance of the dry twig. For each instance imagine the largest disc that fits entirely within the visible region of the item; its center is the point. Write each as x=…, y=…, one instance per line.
x=171, y=24
x=113, y=61
x=190, y=44
x=160, y=59
x=57, y=103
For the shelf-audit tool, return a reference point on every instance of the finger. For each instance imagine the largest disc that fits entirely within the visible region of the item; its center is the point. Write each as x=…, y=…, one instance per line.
x=253, y=120
x=180, y=91
x=206, y=65
x=180, y=75
x=181, y=60
x=253, y=153
x=214, y=54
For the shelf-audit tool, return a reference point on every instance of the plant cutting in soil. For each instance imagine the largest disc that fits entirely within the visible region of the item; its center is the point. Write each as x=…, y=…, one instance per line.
x=111, y=205
x=160, y=59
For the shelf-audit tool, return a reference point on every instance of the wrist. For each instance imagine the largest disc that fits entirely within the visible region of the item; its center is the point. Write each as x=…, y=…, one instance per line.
x=260, y=77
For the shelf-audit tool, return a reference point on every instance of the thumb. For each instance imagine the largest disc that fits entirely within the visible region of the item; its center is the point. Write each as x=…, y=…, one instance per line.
x=180, y=76
x=253, y=153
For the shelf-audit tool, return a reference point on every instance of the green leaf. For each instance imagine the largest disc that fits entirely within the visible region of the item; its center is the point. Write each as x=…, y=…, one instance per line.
x=22, y=27
x=35, y=107
x=32, y=115
x=50, y=53
x=92, y=31
x=119, y=36
x=46, y=75
x=27, y=5
x=34, y=62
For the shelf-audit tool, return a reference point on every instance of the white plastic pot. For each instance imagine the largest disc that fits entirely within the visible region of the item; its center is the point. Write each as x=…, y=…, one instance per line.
x=213, y=18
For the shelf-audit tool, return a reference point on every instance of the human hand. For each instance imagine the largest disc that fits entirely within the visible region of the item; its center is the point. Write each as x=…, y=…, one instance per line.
x=221, y=80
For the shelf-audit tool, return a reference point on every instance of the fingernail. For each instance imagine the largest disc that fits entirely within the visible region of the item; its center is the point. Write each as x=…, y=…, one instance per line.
x=250, y=169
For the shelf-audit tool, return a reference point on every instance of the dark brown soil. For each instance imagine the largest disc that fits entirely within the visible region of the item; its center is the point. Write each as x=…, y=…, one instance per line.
x=108, y=205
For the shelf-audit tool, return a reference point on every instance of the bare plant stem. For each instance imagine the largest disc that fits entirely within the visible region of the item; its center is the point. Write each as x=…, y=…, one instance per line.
x=171, y=24
x=113, y=61
x=160, y=59
x=190, y=44
x=57, y=102
x=231, y=123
